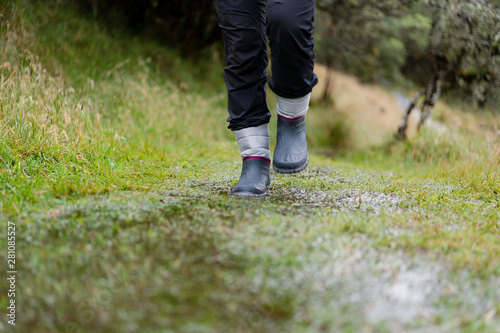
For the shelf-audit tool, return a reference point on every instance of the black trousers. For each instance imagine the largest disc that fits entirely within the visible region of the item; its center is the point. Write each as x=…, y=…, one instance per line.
x=246, y=25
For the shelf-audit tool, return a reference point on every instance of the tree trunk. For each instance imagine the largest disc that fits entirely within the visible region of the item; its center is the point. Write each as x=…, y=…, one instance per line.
x=404, y=125
x=432, y=95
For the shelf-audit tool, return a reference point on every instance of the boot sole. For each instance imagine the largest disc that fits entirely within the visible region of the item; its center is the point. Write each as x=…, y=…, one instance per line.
x=290, y=171
x=251, y=194
x=248, y=194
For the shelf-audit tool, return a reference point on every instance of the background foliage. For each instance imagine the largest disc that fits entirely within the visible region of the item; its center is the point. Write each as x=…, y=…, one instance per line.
x=189, y=25
x=407, y=42
x=415, y=40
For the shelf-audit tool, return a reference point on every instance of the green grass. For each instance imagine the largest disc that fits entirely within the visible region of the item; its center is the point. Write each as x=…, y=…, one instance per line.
x=115, y=165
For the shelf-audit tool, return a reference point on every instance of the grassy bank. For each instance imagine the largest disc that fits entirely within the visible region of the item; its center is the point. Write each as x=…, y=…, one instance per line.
x=115, y=165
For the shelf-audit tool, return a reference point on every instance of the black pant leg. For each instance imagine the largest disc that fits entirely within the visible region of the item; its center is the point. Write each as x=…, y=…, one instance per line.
x=290, y=32
x=244, y=32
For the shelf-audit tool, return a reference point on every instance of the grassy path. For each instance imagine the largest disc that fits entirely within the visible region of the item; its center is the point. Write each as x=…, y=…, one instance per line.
x=116, y=168
x=310, y=257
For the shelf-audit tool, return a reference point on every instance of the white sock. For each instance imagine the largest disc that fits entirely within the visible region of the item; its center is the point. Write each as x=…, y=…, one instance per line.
x=293, y=108
x=254, y=142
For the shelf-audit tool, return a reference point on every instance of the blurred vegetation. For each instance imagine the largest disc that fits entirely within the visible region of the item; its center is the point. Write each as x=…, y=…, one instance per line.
x=457, y=42
x=408, y=42
x=190, y=26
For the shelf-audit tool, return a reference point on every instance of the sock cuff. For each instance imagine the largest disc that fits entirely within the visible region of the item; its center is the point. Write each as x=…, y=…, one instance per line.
x=292, y=108
x=262, y=130
x=254, y=141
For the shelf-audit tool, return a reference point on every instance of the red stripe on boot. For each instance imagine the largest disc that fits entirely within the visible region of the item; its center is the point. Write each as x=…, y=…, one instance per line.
x=290, y=119
x=257, y=158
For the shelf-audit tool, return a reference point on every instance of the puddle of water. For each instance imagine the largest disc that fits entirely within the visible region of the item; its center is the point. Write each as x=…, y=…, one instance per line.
x=393, y=289
x=408, y=297
x=346, y=200
x=306, y=201
x=390, y=288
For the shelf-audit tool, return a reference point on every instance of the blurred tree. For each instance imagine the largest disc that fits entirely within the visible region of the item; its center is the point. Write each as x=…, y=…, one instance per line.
x=464, y=44
x=448, y=43
x=358, y=36
x=355, y=35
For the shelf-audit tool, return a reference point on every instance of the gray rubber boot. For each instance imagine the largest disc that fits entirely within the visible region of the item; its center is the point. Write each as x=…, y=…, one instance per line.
x=253, y=143
x=290, y=154
x=254, y=179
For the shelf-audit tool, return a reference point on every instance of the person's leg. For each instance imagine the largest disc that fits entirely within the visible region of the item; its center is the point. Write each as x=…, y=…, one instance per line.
x=243, y=28
x=290, y=31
